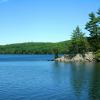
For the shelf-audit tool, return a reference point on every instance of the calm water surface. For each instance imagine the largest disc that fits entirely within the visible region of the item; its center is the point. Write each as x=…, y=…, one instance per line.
x=27, y=77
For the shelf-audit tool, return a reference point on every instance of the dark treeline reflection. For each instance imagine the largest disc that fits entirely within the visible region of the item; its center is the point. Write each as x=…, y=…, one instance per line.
x=77, y=78
x=94, y=90
x=81, y=81
x=85, y=81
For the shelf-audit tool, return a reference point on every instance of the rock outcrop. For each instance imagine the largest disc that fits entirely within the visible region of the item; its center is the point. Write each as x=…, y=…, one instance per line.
x=87, y=57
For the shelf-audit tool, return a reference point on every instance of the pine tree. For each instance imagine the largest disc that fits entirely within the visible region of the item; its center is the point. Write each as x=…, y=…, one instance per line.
x=93, y=26
x=79, y=43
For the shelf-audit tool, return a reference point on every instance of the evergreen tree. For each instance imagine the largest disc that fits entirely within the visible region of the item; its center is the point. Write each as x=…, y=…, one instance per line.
x=98, y=13
x=93, y=26
x=79, y=43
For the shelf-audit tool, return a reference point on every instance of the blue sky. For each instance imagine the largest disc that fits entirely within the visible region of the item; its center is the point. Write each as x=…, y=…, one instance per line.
x=42, y=20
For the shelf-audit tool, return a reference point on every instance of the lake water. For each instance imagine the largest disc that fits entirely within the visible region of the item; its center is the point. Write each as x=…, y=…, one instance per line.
x=32, y=77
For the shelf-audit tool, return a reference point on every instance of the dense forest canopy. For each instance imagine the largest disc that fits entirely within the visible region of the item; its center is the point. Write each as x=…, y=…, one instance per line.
x=34, y=48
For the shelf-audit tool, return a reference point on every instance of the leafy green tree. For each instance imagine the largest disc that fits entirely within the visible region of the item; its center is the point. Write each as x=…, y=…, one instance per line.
x=55, y=51
x=93, y=26
x=79, y=43
x=98, y=17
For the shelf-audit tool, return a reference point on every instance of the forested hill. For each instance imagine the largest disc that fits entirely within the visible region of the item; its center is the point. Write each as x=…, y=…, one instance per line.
x=34, y=48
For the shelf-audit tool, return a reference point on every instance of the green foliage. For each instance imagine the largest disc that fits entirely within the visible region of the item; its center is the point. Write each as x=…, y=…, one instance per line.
x=56, y=51
x=34, y=48
x=93, y=26
x=97, y=54
x=79, y=43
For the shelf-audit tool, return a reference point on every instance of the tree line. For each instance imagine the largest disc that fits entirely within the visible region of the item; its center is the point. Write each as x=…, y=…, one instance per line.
x=34, y=48
x=79, y=43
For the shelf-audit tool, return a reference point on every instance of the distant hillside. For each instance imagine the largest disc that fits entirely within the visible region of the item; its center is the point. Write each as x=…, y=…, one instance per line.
x=34, y=48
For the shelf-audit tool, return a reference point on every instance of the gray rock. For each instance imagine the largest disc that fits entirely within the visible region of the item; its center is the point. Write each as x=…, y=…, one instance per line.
x=88, y=57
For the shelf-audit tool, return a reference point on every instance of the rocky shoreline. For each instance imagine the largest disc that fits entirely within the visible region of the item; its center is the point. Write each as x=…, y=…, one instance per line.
x=87, y=57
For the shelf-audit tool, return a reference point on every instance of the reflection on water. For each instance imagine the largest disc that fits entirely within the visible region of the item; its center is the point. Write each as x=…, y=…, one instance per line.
x=59, y=72
x=48, y=80
x=77, y=78
x=82, y=79
x=94, y=89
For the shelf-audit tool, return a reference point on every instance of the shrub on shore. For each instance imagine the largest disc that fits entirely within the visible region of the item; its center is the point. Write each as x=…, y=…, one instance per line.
x=97, y=55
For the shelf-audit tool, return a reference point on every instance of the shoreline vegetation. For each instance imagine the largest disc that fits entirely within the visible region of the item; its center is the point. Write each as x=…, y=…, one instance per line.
x=81, y=47
x=35, y=48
